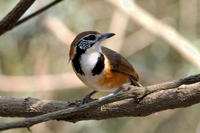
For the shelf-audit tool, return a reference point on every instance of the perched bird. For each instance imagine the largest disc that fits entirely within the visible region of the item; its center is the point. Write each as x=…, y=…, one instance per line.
x=100, y=68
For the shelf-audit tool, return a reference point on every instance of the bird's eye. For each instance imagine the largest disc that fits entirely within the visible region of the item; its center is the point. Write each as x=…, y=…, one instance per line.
x=90, y=37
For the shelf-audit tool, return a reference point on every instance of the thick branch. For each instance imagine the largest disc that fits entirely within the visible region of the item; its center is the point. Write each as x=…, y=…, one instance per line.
x=169, y=95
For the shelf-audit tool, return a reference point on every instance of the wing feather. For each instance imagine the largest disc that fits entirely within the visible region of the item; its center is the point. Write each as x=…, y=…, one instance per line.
x=119, y=63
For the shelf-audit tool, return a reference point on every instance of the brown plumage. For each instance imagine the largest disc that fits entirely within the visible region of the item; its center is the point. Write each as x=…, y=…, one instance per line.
x=100, y=68
x=118, y=72
x=119, y=64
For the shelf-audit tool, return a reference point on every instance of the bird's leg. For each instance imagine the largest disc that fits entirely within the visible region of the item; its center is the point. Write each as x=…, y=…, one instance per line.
x=125, y=87
x=111, y=94
x=87, y=97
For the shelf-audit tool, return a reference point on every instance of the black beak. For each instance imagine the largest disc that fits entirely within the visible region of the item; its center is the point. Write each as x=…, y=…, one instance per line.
x=105, y=36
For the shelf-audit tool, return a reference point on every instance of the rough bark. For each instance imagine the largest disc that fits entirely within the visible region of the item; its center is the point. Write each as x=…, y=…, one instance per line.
x=168, y=95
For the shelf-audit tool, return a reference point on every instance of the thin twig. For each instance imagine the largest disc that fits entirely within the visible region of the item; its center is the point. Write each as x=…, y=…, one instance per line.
x=9, y=21
x=37, y=12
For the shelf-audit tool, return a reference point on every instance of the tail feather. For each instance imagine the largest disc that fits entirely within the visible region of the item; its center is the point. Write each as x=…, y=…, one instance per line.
x=135, y=82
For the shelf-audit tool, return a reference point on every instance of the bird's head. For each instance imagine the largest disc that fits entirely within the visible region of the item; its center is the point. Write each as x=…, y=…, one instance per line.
x=88, y=41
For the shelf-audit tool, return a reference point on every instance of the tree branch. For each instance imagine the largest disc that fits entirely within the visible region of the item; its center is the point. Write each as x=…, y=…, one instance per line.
x=11, y=19
x=37, y=12
x=168, y=95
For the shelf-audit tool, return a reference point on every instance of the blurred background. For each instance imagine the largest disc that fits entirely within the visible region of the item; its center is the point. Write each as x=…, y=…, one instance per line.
x=160, y=38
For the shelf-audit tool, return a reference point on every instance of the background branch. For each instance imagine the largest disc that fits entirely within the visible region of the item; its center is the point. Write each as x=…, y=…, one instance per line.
x=46, y=82
x=168, y=33
x=64, y=34
x=167, y=95
x=37, y=12
x=11, y=19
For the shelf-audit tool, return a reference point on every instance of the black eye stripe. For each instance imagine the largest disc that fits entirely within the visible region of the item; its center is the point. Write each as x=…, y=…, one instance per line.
x=90, y=37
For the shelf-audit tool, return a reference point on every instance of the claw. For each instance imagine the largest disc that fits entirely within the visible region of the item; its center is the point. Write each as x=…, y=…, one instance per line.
x=87, y=97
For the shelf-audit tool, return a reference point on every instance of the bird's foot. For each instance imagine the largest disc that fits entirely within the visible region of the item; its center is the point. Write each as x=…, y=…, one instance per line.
x=111, y=94
x=87, y=98
x=126, y=87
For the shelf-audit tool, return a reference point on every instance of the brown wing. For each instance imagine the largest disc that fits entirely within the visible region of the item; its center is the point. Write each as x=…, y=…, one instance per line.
x=119, y=63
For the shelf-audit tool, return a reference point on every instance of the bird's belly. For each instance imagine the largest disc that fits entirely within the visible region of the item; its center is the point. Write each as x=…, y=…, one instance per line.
x=93, y=82
x=106, y=81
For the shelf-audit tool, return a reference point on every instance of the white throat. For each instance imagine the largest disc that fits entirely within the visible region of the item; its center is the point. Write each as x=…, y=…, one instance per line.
x=88, y=61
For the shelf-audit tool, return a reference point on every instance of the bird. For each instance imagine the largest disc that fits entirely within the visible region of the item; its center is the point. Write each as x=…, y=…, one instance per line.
x=99, y=67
